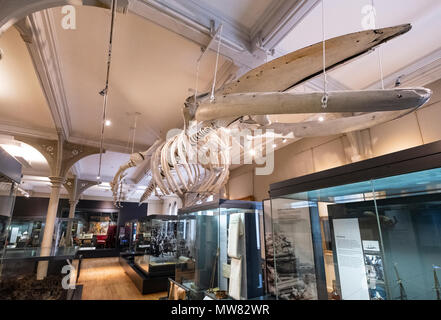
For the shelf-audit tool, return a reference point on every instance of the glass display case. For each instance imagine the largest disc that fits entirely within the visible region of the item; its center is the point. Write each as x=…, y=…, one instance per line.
x=25, y=232
x=7, y=196
x=155, y=242
x=151, y=256
x=67, y=232
x=10, y=177
x=373, y=239
x=95, y=229
x=219, y=250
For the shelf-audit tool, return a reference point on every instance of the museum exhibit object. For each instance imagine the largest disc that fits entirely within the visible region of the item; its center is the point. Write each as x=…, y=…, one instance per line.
x=151, y=260
x=92, y=229
x=219, y=250
x=25, y=232
x=194, y=164
x=384, y=226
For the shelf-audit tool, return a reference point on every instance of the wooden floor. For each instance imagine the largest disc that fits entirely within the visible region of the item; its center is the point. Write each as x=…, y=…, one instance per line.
x=105, y=279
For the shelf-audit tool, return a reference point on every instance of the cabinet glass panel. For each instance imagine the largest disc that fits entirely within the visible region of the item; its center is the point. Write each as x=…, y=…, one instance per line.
x=219, y=250
x=7, y=197
x=155, y=243
x=373, y=240
x=25, y=233
x=197, y=250
x=409, y=210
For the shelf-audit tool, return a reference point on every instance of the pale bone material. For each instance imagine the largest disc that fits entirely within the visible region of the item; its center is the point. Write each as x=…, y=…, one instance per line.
x=237, y=105
x=175, y=165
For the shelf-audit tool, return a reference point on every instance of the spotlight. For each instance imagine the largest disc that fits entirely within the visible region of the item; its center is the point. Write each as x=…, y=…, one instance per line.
x=274, y=145
x=321, y=119
x=252, y=152
x=284, y=140
x=108, y=123
x=98, y=177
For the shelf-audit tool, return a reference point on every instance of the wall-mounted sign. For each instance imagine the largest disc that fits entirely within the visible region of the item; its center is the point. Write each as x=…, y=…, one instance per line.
x=371, y=245
x=350, y=260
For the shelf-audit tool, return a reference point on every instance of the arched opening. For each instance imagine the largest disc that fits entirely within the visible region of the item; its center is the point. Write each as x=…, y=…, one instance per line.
x=15, y=10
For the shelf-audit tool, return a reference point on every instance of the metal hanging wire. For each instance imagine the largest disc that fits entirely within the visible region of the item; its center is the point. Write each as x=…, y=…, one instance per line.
x=380, y=58
x=325, y=75
x=105, y=91
x=197, y=80
x=137, y=114
x=212, y=97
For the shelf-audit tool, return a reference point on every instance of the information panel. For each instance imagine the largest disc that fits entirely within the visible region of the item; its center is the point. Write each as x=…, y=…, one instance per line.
x=351, y=268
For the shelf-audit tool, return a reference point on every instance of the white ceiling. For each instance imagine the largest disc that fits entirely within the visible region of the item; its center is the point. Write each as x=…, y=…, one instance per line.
x=343, y=16
x=245, y=12
x=22, y=102
x=152, y=72
x=153, y=69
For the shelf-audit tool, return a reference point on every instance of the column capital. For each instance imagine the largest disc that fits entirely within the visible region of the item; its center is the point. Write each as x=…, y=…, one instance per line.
x=73, y=202
x=57, y=181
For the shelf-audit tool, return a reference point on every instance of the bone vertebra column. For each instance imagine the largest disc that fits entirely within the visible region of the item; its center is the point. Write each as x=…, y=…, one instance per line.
x=46, y=244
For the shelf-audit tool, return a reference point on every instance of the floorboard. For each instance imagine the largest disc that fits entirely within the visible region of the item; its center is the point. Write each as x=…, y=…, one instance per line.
x=105, y=279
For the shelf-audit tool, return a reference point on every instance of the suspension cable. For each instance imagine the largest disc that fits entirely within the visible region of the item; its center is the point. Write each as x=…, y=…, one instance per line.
x=105, y=91
x=212, y=97
x=134, y=130
x=325, y=75
x=380, y=58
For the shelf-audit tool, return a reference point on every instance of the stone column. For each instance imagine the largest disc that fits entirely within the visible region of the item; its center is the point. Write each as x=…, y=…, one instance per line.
x=61, y=156
x=46, y=244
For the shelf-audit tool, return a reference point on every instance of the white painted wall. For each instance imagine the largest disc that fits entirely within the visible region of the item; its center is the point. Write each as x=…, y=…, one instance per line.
x=154, y=207
x=316, y=154
x=171, y=205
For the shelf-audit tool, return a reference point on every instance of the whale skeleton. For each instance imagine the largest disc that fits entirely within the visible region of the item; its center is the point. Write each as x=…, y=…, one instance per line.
x=194, y=164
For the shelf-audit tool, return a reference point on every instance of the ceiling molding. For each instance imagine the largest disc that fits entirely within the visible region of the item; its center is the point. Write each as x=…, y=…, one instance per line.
x=419, y=73
x=279, y=20
x=233, y=31
x=108, y=145
x=15, y=10
x=11, y=128
x=16, y=128
x=37, y=33
x=180, y=18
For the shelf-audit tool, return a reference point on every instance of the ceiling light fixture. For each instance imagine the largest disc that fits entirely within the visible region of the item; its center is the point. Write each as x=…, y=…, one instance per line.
x=284, y=140
x=108, y=123
x=321, y=119
x=252, y=152
x=274, y=145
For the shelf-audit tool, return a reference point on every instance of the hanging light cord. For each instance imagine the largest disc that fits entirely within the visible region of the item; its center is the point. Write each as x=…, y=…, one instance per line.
x=105, y=91
x=380, y=58
x=212, y=97
x=325, y=75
